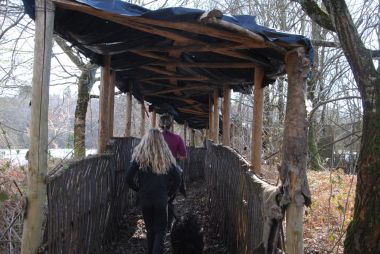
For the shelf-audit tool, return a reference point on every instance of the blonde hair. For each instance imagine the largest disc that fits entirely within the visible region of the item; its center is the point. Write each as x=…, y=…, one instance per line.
x=153, y=152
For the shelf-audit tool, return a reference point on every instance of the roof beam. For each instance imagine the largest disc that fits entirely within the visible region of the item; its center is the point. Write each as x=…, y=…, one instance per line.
x=189, y=78
x=224, y=65
x=177, y=89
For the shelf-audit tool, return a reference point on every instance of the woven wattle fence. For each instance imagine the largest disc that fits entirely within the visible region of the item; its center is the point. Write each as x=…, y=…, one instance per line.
x=236, y=201
x=86, y=199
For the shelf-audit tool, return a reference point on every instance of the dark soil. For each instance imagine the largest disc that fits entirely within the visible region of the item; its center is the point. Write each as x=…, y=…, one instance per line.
x=131, y=238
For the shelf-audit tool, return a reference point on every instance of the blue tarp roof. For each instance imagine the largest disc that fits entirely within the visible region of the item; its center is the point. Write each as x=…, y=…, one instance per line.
x=161, y=50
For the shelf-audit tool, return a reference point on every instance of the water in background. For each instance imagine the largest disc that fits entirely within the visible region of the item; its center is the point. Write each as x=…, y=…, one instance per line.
x=18, y=156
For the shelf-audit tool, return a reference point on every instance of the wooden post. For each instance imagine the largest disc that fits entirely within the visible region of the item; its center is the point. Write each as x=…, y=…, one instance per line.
x=257, y=121
x=142, y=122
x=104, y=110
x=154, y=119
x=32, y=236
x=192, y=137
x=128, y=125
x=226, y=115
x=185, y=132
x=210, y=119
x=293, y=168
x=216, y=116
x=111, y=103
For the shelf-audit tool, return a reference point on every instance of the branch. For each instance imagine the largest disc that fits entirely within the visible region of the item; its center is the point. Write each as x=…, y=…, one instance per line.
x=319, y=16
x=13, y=25
x=375, y=54
x=328, y=101
x=69, y=52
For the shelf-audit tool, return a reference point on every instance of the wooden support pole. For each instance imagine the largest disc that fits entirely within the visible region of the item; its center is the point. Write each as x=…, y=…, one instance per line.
x=192, y=137
x=154, y=119
x=210, y=134
x=111, y=103
x=32, y=237
x=128, y=123
x=216, y=116
x=226, y=115
x=257, y=121
x=104, y=110
x=293, y=167
x=185, y=132
x=142, y=122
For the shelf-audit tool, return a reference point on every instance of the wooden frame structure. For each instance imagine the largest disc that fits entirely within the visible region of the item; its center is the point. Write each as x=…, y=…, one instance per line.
x=233, y=41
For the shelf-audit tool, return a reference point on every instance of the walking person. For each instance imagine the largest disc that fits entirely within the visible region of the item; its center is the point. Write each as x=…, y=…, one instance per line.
x=157, y=180
x=178, y=148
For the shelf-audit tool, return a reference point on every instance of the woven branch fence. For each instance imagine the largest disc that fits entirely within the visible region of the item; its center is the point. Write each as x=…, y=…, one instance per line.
x=86, y=199
x=236, y=201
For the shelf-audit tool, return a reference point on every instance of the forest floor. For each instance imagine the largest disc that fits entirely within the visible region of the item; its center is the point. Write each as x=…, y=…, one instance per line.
x=326, y=219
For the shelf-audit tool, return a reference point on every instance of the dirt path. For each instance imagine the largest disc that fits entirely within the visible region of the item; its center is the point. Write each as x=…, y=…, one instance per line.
x=132, y=238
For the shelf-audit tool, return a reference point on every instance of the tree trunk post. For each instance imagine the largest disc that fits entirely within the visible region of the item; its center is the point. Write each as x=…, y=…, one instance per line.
x=293, y=168
x=257, y=120
x=192, y=137
x=111, y=102
x=210, y=134
x=154, y=119
x=32, y=236
x=104, y=111
x=185, y=132
x=142, y=122
x=226, y=115
x=216, y=116
x=128, y=124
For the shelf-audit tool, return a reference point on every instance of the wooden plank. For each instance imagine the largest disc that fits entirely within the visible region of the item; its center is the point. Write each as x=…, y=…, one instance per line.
x=216, y=116
x=257, y=120
x=226, y=115
x=128, y=124
x=193, y=112
x=32, y=237
x=104, y=105
x=111, y=102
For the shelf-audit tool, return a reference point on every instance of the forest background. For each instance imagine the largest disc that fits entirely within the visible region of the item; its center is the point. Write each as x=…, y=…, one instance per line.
x=335, y=111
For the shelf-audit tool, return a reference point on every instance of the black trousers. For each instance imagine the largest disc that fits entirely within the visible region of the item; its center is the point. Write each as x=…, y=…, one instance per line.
x=155, y=213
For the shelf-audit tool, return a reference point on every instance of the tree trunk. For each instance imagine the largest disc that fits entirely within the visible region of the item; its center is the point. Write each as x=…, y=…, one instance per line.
x=86, y=81
x=363, y=235
x=315, y=158
x=293, y=168
x=38, y=150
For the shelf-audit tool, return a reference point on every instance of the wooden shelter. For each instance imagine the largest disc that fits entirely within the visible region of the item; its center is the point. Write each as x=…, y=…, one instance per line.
x=180, y=61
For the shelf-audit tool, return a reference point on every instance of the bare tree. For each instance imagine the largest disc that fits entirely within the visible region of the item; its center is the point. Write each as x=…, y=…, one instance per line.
x=363, y=235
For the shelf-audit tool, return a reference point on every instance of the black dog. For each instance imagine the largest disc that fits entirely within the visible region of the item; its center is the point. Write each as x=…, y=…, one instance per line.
x=187, y=235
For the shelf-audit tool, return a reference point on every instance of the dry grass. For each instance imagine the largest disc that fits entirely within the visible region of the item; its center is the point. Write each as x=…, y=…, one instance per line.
x=327, y=218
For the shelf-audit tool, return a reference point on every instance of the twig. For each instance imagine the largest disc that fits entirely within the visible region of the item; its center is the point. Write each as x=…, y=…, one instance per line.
x=17, y=188
x=10, y=225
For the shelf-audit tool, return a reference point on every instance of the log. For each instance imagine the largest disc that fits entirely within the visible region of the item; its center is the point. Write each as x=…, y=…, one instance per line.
x=216, y=116
x=226, y=115
x=142, y=122
x=293, y=167
x=128, y=124
x=257, y=120
x=210, y=134
x=104, y=110
x=111, y=103
x=32, y=237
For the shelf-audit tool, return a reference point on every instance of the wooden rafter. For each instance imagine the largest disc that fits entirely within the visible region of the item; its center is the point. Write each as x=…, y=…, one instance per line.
x=178, y=89
x=189, y=78
x=220, y=65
